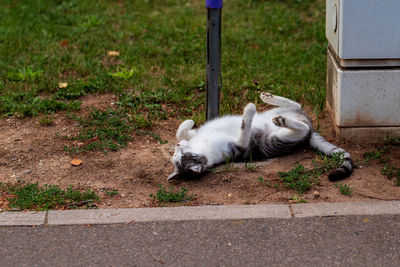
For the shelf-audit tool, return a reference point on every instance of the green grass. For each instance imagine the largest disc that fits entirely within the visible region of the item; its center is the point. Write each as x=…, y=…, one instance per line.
x=262, y=181
x=250, y=165
x=278, y=46
x=31, y=196
x=46, y=121
x=344, y=189
x=30, y=104
x=268, y=183
x=107, y=130
x=230, y=165
x=102, y=130
x=297, y=199
x=382, y=155
x=112, y=193
x=387, y=144
x=302, y=179
x=165, y=196
x=298, y=179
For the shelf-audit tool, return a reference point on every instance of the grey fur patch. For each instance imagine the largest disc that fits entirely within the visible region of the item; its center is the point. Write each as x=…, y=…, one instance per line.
x=263, y=145
x=237, y=153
x=189, y=159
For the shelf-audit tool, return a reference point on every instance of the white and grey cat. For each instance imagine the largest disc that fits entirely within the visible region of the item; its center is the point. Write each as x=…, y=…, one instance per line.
x=276, y=132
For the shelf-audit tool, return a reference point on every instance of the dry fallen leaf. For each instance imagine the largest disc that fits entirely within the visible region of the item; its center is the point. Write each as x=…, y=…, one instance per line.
x=62, y=85
x=64, y=43
x=113, y=53
x=76, y=162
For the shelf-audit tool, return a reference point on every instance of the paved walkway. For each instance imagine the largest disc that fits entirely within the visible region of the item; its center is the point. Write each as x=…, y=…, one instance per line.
x=355, y=234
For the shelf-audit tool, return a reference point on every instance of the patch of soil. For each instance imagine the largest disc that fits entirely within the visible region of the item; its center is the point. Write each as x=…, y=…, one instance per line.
x=34, y=153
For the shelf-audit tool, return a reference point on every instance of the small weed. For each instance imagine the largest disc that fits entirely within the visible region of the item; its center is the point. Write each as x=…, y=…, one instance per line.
x=31, y=196
x=25, y=74
x=387, y=144
x=250, y=165
x=112, y=193
x=262, y=181
x=344, y=189
x=390, y=172
x=46, y=121
x=152, y=135
x=356, y=163
x=164, y=196
x=298, y=179
x=124, y=73
x=368, y=156
x=325, y=163
x=230, y=165
x=302, y=180
x=297, y=199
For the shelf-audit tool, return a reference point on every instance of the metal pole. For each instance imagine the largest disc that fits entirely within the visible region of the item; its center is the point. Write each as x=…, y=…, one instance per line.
x=213, y=71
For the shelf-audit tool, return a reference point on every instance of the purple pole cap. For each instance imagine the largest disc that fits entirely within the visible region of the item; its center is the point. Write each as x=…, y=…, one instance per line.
x=214, y=4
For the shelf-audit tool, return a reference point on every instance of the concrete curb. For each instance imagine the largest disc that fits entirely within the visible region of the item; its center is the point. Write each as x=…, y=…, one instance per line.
x=228, y=212
x=346, y=208
x=168, y=214
x=22, y=218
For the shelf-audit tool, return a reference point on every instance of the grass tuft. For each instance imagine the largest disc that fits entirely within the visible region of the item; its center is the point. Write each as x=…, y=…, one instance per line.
x=298, y=179
x=297, y=199
x=102, y=130
x=250, y=165
x=301, y=179
x=164, y=196
x=31, y=196
x=344, y=189
x=381, y=154
x=112, y=193
x=46, y=121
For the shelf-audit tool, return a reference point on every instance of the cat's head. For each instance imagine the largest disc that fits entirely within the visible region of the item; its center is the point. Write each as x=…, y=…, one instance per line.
x=186, y=162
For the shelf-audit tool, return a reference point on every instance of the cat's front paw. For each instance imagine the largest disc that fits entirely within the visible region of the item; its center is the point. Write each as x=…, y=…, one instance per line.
x=265, y=96
x=279, y=121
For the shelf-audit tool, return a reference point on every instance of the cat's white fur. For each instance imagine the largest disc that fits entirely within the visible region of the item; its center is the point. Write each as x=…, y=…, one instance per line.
x=217, y=140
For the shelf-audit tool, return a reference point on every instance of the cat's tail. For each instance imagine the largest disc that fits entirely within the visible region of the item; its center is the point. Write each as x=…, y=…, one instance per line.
x=344, y=170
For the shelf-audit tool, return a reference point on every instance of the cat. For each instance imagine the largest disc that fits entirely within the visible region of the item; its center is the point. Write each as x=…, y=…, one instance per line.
x=273, y=133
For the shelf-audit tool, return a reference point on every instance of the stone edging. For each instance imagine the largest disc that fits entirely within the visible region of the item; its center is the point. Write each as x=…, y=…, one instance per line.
x=226, y=212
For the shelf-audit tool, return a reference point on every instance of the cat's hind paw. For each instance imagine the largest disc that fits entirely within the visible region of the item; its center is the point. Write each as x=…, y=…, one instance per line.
x=183, y=130
x=250, y=109
x=279, y=121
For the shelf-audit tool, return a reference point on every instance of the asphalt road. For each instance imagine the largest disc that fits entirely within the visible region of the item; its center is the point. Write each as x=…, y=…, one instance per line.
x=324, y=241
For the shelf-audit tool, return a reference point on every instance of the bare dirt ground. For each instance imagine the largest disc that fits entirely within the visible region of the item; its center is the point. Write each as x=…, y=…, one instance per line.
x=34, y=153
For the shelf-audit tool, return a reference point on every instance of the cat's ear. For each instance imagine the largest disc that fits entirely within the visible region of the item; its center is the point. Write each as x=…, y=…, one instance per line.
x=174, y=176
x=196, y=168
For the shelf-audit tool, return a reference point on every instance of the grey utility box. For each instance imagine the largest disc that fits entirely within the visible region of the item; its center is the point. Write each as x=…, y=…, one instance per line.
x=363, y=84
